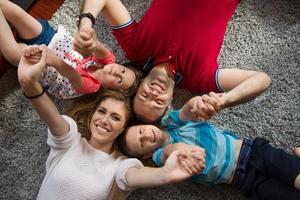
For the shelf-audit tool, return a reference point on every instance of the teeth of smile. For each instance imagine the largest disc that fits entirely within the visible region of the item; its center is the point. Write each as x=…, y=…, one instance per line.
x=101, y=128
x=153, y=136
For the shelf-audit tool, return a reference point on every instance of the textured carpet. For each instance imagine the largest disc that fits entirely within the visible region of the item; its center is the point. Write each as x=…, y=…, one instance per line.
x=263, y=35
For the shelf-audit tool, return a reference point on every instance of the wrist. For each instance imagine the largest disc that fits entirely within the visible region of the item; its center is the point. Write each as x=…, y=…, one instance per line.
x=163, y=175
x=86, y=19
x=84, y=22
x=33, y=90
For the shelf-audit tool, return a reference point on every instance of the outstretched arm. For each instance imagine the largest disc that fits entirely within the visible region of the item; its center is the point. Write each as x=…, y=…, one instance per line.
x=64, y=69
x=29, y=73
x=174, y=170
x=241, y=85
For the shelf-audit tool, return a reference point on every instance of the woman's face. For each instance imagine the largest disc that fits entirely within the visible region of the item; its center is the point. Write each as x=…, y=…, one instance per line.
x=107, y=122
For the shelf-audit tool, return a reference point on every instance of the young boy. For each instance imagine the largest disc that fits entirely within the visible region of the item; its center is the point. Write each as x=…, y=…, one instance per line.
x=252, y=166
x=85, y=75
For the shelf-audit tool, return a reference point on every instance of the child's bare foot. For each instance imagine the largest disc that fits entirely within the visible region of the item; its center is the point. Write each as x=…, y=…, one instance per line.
x=296, y=151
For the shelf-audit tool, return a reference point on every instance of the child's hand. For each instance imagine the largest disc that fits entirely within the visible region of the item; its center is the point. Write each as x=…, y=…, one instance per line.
x=176, y=171
x=85, y=41
x=32, y=64
x=201, y=107
x=193, y=160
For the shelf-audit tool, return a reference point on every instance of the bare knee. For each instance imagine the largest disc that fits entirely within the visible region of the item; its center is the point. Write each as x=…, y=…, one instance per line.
x=297, y=182
x=296, y=151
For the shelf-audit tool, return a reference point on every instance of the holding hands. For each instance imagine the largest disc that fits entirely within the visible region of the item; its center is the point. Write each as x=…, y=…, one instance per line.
x=32, y=64
x=203, y=107
x=85, y=41
x=184, y=163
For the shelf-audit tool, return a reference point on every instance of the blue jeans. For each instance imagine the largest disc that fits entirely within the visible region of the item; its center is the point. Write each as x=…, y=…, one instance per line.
x=266, y=172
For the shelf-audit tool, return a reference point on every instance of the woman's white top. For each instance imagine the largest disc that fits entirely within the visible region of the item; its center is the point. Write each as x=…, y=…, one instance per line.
x=76, y=170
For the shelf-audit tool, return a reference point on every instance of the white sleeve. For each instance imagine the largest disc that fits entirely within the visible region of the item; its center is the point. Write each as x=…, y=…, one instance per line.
x=65, y=141
x=122, y=171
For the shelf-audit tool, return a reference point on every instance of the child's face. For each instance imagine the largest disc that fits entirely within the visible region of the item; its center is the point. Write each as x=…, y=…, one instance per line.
x=143, y=139
x=115, y=76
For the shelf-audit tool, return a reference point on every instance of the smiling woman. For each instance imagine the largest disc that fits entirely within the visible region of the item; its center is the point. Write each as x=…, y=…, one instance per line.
x=103, y=118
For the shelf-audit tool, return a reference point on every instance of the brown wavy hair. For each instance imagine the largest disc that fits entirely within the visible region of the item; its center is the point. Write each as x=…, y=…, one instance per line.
x=84, y=108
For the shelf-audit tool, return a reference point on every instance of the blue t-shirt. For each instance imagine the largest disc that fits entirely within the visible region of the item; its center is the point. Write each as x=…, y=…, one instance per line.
x=219, y=145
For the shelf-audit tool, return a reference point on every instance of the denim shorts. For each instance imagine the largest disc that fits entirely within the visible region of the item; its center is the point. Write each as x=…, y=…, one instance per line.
x=44, y=37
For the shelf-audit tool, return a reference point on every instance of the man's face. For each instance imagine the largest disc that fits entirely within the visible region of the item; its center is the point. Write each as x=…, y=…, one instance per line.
x=154, y=96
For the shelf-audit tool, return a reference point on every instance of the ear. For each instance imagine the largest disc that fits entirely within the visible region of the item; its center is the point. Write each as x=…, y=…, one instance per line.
x=147, y=155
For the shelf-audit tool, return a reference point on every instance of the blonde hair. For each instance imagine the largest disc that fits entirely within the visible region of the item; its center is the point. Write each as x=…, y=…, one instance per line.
x=84, y=108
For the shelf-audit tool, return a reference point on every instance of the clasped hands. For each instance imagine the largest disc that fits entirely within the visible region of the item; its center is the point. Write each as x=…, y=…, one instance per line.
x=203, y=107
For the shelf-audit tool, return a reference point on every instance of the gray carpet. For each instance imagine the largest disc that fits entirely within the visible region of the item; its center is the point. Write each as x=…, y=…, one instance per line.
x=263, y=35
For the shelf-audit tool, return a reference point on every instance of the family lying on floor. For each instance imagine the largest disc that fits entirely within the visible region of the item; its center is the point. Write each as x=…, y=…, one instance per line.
x=175, y=44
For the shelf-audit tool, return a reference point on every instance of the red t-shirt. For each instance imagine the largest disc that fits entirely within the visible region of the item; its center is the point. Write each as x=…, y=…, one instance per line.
x=188, y=34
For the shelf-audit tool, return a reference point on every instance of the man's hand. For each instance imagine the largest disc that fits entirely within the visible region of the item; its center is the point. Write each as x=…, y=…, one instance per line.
x=85, y=41
x=202, y=107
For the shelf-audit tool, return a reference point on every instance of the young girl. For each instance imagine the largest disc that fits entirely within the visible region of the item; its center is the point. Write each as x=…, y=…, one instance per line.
x=62, y=81
x=88, y=166
x=252, y=166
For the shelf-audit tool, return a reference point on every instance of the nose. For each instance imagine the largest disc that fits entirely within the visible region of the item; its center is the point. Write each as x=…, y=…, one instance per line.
x=154, y=92
x=146, y=136
x=104, y=120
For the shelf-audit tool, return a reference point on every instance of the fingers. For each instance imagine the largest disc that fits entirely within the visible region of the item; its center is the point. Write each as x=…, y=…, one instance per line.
x=85, y=41
x=185, y=164
x=199, y=157
x=193, y=161
x=216, y=100
x=31, y=50
x=43, y=56
x=200, y=110
x=205, y=106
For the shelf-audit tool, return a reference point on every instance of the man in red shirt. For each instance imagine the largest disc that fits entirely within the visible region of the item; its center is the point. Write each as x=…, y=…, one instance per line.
x=183, y=39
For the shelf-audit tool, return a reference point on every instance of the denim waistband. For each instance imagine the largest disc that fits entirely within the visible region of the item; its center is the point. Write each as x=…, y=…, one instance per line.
x=240, y=171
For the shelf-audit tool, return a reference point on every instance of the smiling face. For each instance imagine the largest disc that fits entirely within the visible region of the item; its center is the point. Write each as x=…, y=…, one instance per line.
x=154, y=96
x=144, y=139
x=107, y=122
x=115, y=76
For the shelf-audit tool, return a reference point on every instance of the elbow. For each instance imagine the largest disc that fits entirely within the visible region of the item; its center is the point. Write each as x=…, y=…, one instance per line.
x=266, y=80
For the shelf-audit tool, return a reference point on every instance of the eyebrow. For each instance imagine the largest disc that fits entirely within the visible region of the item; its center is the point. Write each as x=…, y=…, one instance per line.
x=114, y=113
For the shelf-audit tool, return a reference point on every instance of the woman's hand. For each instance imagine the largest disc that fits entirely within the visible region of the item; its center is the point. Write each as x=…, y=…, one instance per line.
x=183, y=164
x=32, y=65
